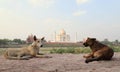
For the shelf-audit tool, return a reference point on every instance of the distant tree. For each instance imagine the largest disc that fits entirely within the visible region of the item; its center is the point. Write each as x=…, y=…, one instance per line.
x=106, y=41
x=116, y=42
x=18, y=41
x=4, y=41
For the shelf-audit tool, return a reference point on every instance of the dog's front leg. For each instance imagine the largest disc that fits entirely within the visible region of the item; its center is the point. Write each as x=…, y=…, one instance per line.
x=92, y=59
x=89, y=55
x=40, y=53
x=43, y=56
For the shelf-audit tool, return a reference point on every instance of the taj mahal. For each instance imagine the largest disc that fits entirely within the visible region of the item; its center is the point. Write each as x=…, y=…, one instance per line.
x=62, y=36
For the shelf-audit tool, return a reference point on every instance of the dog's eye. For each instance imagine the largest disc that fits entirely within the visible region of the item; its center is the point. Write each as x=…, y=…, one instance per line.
x=38, y=41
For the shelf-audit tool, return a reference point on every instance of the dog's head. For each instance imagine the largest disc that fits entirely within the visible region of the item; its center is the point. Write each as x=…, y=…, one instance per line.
x=38, y=42
x=89, y=42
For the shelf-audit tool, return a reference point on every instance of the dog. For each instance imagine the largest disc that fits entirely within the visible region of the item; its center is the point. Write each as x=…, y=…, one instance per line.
x=99, y=51
x=26, y=53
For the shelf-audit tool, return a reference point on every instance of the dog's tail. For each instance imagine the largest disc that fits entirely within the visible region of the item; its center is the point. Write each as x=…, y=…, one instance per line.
x=6, y=54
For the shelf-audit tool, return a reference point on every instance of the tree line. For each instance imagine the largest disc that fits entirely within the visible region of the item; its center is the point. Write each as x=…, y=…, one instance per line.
x=30, y=40
x=14, y=41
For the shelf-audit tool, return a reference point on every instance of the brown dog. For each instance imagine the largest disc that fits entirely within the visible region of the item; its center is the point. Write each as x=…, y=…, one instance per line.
x=99, y=51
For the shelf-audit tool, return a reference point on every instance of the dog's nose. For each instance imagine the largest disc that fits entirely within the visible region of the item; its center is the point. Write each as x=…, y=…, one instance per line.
x=41, y=46
x=83, y=43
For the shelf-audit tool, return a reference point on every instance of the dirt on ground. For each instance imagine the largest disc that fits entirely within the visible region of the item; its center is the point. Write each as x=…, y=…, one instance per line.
x=60, y=63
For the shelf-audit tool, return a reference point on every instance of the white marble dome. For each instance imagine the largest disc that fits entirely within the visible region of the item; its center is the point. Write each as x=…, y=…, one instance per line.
x=62, y=32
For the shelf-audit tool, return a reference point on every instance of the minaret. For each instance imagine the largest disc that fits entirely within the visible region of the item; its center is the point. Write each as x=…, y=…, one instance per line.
x=55, y=36
x=76, y=36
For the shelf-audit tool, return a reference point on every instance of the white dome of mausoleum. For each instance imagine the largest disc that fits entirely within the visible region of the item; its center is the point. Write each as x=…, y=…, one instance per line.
x=62, y=32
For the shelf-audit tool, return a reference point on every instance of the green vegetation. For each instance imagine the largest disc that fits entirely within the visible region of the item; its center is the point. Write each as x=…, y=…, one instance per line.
x=61, y=50
x=2, y=50
x=77, y=50
x=74, y=50
x=70, y=50
x=116, y=48
x=6, y=43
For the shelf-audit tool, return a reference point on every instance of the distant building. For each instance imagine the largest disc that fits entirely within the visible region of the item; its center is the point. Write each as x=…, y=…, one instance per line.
x=29, y=39
x=62, y=36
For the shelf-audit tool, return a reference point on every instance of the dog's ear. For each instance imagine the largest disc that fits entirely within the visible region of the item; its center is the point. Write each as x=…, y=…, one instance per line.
x=42, y=38
x=35, y=38
x=88, y=37
x=93, y=39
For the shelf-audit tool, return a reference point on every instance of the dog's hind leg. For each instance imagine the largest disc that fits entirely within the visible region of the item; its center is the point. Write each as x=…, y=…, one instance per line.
x=18, y=58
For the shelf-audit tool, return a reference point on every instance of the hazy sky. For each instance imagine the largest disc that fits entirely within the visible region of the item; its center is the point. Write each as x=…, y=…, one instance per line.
x=89, y=18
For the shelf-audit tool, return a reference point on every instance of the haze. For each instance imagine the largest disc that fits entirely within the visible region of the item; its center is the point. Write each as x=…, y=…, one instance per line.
x=87, y=18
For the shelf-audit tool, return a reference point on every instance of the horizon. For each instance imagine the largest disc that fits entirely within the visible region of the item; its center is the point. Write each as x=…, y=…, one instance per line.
x=88, y=18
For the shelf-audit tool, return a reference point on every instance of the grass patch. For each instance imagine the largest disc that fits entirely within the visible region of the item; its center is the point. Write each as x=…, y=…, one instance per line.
x=77, y=50
x=70, y=50
x=115, y=48
x=2, y=50
x=61, y=50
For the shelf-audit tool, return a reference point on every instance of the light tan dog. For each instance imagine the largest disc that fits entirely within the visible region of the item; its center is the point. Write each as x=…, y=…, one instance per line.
x=26, y=53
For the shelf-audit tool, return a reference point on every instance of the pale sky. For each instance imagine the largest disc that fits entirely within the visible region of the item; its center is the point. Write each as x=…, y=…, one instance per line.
x=89, y=18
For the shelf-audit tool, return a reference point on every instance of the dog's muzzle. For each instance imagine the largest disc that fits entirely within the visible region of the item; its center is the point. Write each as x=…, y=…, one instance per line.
x=85, y=44
x=41, y=46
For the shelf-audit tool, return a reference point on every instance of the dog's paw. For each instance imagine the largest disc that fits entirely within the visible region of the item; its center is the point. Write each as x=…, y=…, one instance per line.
x=40, y=53
x=26, y=59
x=48, y=56
x=86, y=61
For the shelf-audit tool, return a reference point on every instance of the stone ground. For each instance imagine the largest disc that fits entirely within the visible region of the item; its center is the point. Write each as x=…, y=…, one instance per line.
x=60, y=63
